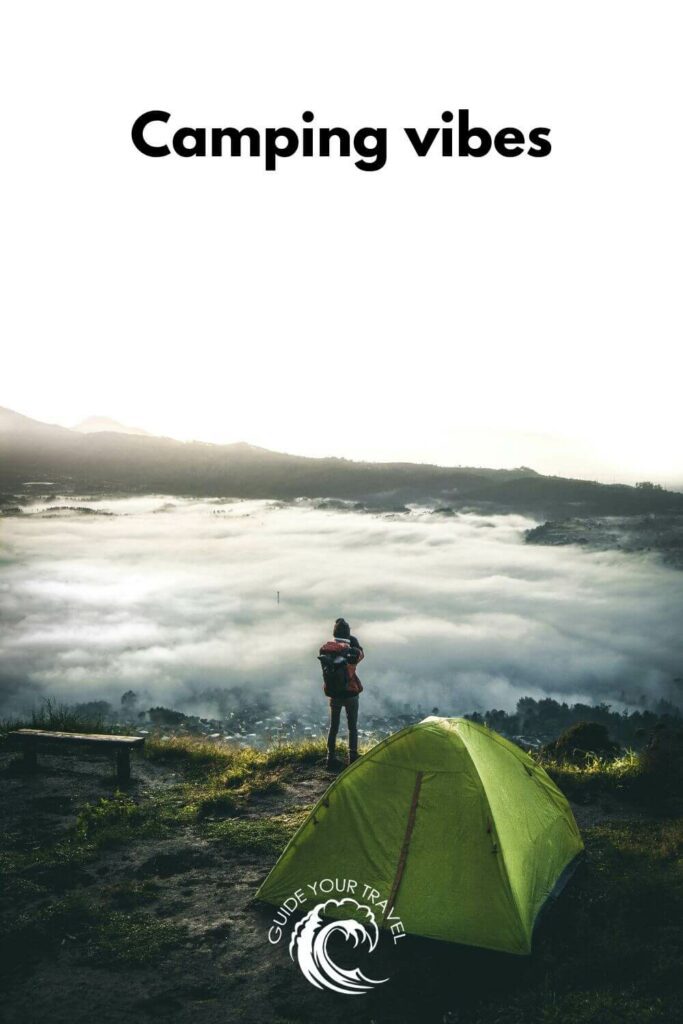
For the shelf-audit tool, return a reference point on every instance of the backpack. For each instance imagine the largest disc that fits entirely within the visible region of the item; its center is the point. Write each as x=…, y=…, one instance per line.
x=335, y=675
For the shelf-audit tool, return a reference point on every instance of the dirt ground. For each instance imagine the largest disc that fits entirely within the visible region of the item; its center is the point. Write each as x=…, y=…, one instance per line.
x=223, y=969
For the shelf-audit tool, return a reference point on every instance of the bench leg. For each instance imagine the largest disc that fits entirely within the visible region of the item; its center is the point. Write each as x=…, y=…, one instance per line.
x=30, y=758
x=123, y=765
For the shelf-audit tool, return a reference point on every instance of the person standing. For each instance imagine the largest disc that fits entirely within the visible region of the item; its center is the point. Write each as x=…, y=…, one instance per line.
x=341, y=685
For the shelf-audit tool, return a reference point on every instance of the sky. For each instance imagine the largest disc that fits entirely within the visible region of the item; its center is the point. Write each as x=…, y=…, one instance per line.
x=460, y=311
x=176, y=600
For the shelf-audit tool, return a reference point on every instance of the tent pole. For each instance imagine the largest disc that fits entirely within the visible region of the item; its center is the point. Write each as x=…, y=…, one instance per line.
x=404, y=848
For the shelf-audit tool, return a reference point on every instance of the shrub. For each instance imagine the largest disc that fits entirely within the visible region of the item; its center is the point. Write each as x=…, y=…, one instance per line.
x=580, y=742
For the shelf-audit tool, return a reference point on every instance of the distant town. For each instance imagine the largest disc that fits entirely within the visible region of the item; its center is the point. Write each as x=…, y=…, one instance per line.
x=253, y=724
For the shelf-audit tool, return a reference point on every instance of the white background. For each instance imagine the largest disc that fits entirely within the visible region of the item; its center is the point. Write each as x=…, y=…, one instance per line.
x=462, y=311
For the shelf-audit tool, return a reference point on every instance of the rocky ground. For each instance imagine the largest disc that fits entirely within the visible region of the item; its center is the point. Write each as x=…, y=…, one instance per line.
x=112, y=913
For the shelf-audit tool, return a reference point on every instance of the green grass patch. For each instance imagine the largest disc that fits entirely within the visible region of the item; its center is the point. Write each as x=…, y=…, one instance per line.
x=200, y=757
x=220, y=781
x=109, y=818
x=228, y=795
x=298, y=752
x=117, y=820
x=652, y=779
x=267, y=836
x=132, y=940
x=194, y=756
x=624, y=775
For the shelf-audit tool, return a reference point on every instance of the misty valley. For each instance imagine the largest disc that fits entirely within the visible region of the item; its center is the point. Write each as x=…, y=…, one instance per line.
x=174, y=595
x=207, y=614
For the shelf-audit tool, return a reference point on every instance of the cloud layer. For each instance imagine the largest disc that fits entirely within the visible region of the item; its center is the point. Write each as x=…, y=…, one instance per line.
x=177, y=599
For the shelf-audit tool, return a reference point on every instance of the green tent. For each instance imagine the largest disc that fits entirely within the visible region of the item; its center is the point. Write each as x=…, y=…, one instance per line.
x=459, y=829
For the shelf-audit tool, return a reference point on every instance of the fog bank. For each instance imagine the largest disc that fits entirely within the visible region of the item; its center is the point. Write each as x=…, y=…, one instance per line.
x=177, y=600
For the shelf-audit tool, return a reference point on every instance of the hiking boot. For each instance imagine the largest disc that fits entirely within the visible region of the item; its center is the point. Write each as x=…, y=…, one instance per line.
x=332, y=763
x=353, y=756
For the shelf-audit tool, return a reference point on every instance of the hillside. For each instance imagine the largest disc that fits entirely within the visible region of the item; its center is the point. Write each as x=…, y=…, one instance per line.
x=139, y=905
x=663, y=534
x=61, y=461
x=104, y=424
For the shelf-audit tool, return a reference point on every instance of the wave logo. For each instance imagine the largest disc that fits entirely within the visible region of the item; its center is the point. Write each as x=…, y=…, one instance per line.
x=309, y=946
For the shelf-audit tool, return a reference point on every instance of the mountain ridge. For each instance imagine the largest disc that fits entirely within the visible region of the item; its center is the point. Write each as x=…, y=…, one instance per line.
x=105, y=424
x=115, y=462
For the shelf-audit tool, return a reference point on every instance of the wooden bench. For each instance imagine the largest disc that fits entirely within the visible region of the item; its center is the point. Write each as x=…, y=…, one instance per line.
x=30, y=741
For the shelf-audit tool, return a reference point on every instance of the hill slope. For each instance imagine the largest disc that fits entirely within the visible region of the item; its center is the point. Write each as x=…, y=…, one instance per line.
x=104, y=461
x=130, y=907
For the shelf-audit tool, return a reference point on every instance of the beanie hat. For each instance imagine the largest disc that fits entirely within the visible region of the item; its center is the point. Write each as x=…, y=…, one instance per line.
x=341, y=629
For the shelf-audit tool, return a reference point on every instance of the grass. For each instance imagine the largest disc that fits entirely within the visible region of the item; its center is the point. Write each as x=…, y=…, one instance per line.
x=614, y=946
x=609, y=952
x=256, y=835
x=56, y=717
x=628, y=909
x=617, y=774
x=610, y=769
x=107, y=823
x=215, y=785
x=132, y=940
x=103, y=935
x=629, y=776
x=222, y=780
x=117, y=820
x=201, y=757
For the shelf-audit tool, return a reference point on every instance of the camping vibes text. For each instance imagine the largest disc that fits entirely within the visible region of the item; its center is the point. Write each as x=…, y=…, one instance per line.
x=327, y=888
x=153, y=137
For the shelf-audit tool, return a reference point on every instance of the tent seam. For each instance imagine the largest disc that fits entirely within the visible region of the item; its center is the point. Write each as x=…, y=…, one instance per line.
x=491, y=818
